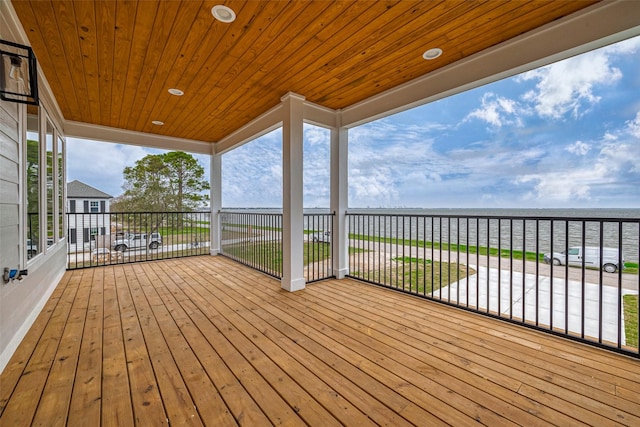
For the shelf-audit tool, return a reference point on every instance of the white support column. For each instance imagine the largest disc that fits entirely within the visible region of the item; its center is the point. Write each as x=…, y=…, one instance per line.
x=292, y=206
x=339, y=199
x=215, y=229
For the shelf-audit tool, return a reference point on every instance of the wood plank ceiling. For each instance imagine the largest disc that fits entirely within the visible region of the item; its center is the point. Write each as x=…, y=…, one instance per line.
x=111, y=63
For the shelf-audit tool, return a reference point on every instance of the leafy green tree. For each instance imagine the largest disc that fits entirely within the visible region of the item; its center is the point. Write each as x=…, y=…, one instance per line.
x=168, y=182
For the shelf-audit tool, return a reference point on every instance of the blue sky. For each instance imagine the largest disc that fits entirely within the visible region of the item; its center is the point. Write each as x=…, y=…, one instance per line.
x=565, y=135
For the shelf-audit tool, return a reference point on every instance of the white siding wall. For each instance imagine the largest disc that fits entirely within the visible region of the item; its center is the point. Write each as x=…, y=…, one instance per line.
x=81, y=220
x=20, y=302
x=9, y=185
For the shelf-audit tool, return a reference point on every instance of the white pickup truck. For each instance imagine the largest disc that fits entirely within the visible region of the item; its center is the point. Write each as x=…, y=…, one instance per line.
x=137, y=241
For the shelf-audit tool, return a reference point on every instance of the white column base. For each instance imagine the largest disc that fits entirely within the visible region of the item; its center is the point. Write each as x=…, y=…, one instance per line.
x=293, y=285
x=342, y=273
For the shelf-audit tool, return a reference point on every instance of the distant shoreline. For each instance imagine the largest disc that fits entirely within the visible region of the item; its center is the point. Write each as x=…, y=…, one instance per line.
x=627, y=213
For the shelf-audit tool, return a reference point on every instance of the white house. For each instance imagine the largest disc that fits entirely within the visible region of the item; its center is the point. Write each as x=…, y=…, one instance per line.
x=88, y=220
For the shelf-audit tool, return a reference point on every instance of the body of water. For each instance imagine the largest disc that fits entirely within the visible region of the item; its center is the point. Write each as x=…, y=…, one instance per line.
x=520, y=229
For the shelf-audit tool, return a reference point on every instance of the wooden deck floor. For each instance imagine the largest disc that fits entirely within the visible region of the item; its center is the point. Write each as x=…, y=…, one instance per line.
x=206, y=341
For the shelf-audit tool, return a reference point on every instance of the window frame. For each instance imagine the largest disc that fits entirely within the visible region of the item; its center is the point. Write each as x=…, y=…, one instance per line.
x=51, y=185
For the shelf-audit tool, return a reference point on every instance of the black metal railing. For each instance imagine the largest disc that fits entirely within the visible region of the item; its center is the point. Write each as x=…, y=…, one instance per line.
x=255, y=239
x=33, y=235
x=318, y=246
x=575, y=277
x=104, y=238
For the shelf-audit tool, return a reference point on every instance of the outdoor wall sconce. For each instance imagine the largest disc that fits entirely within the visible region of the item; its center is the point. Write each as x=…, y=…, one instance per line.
x=18, y=73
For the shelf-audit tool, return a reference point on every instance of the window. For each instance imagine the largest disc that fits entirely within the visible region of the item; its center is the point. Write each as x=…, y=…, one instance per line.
x=49, y=180
x=32, y=181
x=73, y=236
x=95, y=206
x=60, y=180
x=72, y=206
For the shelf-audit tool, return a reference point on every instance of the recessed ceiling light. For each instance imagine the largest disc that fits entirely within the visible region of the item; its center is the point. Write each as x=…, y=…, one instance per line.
x=176, y=92
x=223, y=13
x=432, y=53
x=157, y=122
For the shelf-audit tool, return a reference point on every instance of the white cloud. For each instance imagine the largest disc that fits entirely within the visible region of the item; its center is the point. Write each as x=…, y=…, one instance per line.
x=616, y=162
x=625, y=47
x=579, y=148
x=387, y=162
x=100, y=164
x=633, y=126
x=567, y=87
x=252, y=173
x=316, y=167
x=498, y=111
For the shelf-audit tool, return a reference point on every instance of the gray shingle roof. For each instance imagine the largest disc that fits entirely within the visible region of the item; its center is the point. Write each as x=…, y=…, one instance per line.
x=80, y=190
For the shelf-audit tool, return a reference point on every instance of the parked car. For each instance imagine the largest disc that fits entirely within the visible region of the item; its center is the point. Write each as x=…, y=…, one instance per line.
x=137, y=240
x=323, y=236
x=591, y=258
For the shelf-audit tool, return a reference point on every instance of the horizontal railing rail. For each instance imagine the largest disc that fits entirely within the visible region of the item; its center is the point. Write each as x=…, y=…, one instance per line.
x=255, y=239
x=575, y=277
x=105, y=238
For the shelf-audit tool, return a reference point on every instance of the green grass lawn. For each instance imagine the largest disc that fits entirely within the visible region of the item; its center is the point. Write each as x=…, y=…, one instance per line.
x=630, y=303
x=418, y=275
x=629, y=267
x=269, y=254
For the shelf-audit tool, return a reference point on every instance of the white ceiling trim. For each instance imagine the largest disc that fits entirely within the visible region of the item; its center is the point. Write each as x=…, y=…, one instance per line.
x=122, y=136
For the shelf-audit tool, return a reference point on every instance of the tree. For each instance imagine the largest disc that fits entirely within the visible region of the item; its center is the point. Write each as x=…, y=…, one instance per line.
x=168, y=182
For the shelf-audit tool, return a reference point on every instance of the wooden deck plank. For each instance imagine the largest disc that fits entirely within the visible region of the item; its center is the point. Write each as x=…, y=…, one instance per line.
x=16, y=366
x=241, y=404
x=435, y=365
x=614, y=415
x=56, y=396
x=23, y=404
x=374, y=359
x=500, y=337
x=482, y=365
x=176, y=398
x=473, y=355
x=116, y=406
x=208, y=402
x=435, y=400
x=273, y=405
x=559, y=376
x=328, y=397
x=86, y=398
x=359, y=388
x=207, y=341
x=146, y=401
x=303, y=402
